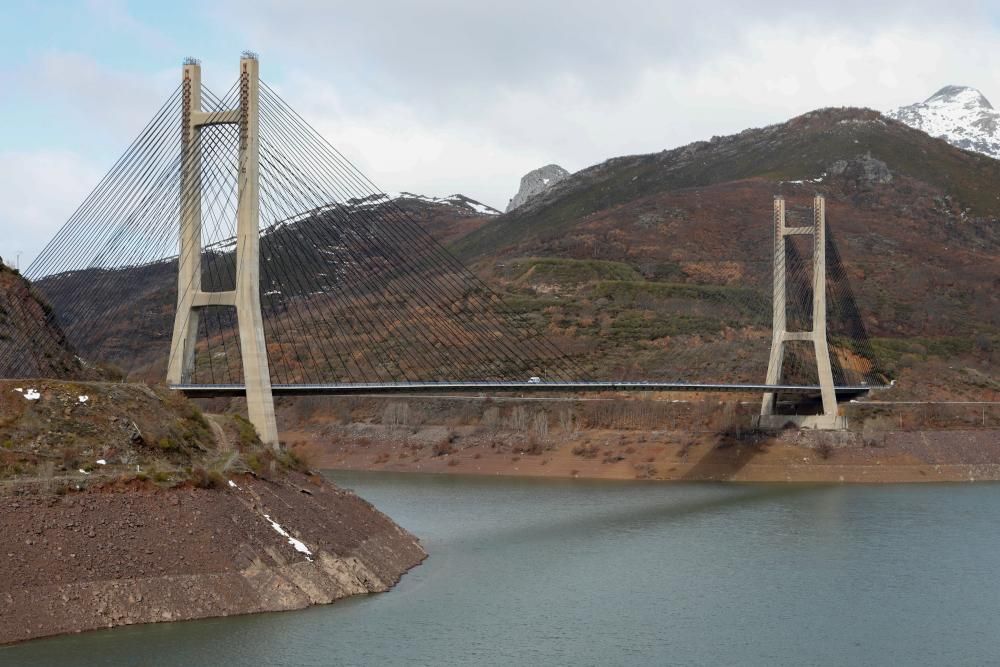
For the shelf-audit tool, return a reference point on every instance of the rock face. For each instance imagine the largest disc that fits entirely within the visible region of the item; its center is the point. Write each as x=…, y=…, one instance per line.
x=31, y=343
x=960, y=115
x=536, y=182
x=864, y=170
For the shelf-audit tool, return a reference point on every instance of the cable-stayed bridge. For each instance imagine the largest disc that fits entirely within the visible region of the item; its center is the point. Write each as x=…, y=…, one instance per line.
x=233, y=251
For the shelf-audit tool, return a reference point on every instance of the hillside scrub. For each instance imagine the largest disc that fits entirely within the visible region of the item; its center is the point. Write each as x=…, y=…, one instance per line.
x=86, y=433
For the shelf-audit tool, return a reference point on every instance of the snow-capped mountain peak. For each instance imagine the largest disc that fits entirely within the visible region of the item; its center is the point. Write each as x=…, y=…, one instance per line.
x=960, y=115
x=968, y=98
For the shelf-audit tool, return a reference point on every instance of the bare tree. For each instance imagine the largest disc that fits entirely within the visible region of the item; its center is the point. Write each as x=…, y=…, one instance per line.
x=396, y=414
x=568, y=420
x=518, y=419
x=540, y=425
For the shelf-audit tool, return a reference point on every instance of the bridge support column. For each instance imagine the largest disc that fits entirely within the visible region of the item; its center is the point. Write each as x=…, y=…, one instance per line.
x=246, y=296
x=256, y=372
x=185, y=336
x=828, y=419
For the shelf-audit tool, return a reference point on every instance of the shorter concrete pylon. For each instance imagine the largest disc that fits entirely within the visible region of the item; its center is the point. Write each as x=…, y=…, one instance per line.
x=829, y=418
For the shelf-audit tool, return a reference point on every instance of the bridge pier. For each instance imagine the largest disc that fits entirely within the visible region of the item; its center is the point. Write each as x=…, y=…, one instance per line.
x=245, y=298
x=829, y=418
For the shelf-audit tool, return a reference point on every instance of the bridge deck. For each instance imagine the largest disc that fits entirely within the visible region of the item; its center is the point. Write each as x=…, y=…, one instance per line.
x=213, y=390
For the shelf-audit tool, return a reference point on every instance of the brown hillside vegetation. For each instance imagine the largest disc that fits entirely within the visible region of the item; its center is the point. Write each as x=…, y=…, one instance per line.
x=914, y=219
x=125, y=316
x=444, y=222
x=52, y=429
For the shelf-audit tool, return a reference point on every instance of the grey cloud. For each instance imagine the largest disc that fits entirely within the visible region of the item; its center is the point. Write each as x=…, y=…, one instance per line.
x=446, y=97
x=433, y=48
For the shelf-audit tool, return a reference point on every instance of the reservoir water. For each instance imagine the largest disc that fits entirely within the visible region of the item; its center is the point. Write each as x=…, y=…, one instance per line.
x=542, y=572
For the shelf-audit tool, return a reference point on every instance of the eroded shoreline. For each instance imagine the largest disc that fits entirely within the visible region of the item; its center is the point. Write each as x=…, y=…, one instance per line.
x=791, y=456
x=102, y=558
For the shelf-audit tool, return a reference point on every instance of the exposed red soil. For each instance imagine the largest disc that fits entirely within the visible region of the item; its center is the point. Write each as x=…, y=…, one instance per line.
x=794, y=456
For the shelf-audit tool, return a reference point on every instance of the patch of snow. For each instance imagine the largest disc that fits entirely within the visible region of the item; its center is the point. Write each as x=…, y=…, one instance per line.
x=804, y=181
x=84, y=471
x=84, y=399
x=224, y=245
x=297, y=544
x=233, y=485
x=482, y=209
x=19, y=390
x=102, y=462
x=456, y=200
x=346, y=206
x=32, y=395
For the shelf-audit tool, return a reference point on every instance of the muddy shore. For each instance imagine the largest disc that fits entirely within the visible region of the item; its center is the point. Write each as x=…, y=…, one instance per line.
x=792, y=456
x=135, y=553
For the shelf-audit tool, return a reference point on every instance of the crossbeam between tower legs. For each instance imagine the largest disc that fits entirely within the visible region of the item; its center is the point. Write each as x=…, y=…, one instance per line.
x=829, y=419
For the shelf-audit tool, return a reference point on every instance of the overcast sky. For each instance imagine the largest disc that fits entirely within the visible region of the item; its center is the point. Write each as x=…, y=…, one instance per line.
x=445, y=96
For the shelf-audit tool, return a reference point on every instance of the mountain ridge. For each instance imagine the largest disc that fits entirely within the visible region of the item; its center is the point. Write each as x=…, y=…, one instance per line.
x=960, y=115
x=803, y=148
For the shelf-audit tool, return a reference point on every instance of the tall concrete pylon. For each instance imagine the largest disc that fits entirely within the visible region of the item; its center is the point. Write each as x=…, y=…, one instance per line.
x=246, y=297
x=818, y=335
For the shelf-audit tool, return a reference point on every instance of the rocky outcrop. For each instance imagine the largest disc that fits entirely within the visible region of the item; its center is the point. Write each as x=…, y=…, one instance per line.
x=120, y=556
x=960, y=115
x=535, y=183
x=865, y=170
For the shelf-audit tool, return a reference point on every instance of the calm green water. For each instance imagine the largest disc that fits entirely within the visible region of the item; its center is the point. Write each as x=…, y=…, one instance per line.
x=556, y=573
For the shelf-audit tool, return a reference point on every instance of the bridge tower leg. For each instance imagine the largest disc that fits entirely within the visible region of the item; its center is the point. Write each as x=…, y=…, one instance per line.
x=185, y=335
x=829, y=418
x=246, y=297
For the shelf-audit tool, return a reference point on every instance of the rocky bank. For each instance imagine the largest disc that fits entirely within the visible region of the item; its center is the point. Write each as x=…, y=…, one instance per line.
x=139, y=554
x=123, y=504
